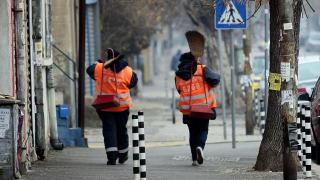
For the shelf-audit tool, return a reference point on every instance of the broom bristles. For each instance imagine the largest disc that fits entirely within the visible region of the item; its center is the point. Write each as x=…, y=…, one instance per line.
x=196, y=43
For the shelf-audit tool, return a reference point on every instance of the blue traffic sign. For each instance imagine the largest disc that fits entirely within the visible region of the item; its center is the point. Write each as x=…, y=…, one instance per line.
x=233, y=16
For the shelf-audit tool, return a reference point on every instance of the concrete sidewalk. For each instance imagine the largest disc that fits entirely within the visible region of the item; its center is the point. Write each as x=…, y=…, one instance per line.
x=165, y=163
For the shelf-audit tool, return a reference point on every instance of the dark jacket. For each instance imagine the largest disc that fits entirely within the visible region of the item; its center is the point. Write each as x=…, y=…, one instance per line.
x=119, y=66
x=184, y=73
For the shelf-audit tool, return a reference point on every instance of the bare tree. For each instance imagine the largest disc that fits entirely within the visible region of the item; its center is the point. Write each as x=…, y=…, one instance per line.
x=127, y=26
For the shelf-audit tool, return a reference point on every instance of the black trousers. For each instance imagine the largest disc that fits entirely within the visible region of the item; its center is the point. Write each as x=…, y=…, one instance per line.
x=198, y=133
x=115, y=132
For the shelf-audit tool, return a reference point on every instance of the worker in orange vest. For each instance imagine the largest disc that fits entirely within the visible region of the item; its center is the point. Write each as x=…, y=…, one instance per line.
x=198, y=128
x=114, y=119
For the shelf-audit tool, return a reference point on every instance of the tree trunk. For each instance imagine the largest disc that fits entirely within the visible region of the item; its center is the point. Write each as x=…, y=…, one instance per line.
x=250, y=122
x=270, y=152
x=270, y=155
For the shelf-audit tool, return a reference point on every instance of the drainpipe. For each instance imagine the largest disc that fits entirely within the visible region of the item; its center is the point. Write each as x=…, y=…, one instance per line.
x=54, y=139
x=40, y=124
x=33, y=110
x=21, y=75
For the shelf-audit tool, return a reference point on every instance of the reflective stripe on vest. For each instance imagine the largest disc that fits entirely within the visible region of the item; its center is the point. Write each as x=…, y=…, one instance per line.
x=119, y=95
x=197, y=96
x=188, y=106
x=125, y=102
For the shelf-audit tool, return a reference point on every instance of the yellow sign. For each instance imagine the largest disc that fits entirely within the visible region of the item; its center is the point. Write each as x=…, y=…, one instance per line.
x=275, y=81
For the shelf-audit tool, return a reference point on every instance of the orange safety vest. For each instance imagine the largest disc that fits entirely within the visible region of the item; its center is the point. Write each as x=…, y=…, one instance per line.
x=197, y=94
x=109, y=87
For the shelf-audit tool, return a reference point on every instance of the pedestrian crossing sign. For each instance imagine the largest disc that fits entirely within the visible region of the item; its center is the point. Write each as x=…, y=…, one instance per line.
x=233, y=16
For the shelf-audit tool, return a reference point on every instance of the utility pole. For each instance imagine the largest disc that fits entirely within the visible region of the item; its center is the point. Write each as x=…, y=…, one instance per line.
x=82, y=41
x=250, y=123
x=287, y=57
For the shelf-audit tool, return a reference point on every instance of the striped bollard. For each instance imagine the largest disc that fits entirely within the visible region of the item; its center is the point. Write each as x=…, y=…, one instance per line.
x=303, y=147
x=142, y=154
x=135, y=147
x=263, y=116
x=299, y=133
x=256, y=105
x=243, y=89
x=308, y=142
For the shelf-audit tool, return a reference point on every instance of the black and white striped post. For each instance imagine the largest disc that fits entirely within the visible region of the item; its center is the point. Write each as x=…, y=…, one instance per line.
x=243, y=89
x=256, y=105
x=262, y=115
x=303, y=147
x=308, y=142
x=299, y=133
x=135, y=147
x=142, y=147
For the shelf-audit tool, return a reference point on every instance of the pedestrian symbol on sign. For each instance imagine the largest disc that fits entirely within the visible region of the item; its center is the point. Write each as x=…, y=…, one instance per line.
x=232, y=14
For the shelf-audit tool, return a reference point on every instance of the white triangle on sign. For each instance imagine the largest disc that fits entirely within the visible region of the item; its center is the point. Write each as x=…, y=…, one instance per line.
x=230, y=17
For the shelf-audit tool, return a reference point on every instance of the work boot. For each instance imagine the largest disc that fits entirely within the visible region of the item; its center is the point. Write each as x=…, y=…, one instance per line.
x=200, y=155
x=123, y=157
x=112, y=157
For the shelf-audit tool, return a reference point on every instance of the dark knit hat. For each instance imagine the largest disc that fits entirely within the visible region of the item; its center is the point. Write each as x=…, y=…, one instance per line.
x=116, y=53
x=186, y=57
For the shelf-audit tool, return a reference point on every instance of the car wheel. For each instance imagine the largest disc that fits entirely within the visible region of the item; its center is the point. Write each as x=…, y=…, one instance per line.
x=317, y=153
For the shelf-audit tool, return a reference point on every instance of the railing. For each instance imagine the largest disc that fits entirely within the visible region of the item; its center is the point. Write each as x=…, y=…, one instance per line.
x=74, y=80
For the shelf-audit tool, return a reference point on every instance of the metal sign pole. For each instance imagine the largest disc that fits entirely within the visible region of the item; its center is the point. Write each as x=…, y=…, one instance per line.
x=222, y=86
x=231, y=17
x=266, y=61
x=173, y=107
x=232, y=89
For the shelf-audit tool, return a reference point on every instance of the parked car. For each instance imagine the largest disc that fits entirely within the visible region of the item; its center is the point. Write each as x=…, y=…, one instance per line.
x=314, y=102
x=313, y=42
x=308, y=73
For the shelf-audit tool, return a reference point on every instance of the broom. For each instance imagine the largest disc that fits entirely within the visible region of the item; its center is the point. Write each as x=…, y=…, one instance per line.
x=111, y=62
x=196, y=43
